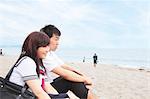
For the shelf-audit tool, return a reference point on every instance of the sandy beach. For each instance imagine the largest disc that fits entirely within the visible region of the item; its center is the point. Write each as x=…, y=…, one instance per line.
x=109, y=81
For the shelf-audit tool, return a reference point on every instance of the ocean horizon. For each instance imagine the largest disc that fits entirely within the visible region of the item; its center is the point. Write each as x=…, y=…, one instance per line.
x=134, y=58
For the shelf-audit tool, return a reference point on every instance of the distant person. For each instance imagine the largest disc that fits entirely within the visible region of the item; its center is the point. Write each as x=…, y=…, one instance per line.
x=95, y=58
x=1, y=52
x=83, y=59
x=69, y=78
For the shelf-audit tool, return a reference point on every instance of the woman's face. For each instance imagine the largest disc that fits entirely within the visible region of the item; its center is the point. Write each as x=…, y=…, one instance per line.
x=42, y=51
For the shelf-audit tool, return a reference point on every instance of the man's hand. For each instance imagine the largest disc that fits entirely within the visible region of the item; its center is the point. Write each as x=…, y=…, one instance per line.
x=88, y=81
x=89, y=87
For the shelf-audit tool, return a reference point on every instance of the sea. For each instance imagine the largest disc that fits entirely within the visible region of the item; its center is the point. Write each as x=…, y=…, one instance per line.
x=133, y=58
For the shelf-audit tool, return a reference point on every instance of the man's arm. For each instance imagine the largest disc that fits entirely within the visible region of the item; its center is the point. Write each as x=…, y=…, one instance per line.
x=71, y=76
x=65, y=66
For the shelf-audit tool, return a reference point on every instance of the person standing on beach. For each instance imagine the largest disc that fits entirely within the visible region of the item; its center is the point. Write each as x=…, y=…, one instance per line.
x=83, y=59
x=1, y=52
x=95, y=58
x=69, y=78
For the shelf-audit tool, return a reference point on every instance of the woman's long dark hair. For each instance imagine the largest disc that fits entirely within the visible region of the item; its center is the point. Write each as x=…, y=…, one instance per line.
x=31, y=45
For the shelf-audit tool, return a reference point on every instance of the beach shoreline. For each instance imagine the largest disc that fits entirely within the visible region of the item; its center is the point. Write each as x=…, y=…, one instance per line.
x=109, y=81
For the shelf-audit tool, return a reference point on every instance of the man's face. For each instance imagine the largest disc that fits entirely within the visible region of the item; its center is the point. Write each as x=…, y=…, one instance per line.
x=54, y=42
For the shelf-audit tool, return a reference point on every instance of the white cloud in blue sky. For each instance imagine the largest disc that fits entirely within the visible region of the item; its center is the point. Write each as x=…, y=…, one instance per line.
x=84, y=23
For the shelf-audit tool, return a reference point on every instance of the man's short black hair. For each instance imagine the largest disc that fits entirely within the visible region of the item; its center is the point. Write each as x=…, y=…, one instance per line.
x=50, y=30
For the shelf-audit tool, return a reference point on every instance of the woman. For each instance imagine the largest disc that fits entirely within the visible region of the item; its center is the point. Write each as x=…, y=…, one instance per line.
x=30, y=69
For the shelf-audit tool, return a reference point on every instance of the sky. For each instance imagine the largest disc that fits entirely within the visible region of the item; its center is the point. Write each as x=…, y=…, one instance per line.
x=83, y=23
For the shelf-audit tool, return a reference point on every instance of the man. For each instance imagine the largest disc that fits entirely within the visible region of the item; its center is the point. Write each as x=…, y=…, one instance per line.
x=69, y=78
x=95, y=57
x=1, y=52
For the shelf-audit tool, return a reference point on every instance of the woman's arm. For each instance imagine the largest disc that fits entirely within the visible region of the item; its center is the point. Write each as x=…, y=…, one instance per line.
x=50, y=89
x=36, y=88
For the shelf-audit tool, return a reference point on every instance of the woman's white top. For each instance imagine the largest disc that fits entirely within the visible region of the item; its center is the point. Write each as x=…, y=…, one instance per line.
x=26, y=70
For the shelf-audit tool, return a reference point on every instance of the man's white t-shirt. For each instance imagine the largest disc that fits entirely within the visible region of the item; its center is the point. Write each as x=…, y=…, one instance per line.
x=50, y=62
x=25, y=70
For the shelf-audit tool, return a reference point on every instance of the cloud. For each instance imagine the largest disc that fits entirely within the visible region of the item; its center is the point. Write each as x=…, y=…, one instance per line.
x=84, y=23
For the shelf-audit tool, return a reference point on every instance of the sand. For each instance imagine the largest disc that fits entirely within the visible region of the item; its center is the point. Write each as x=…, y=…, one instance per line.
x=6, y=62
x=109, y=81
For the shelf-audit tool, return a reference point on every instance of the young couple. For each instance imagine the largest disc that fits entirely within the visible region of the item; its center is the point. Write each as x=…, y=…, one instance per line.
x=38, y=61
